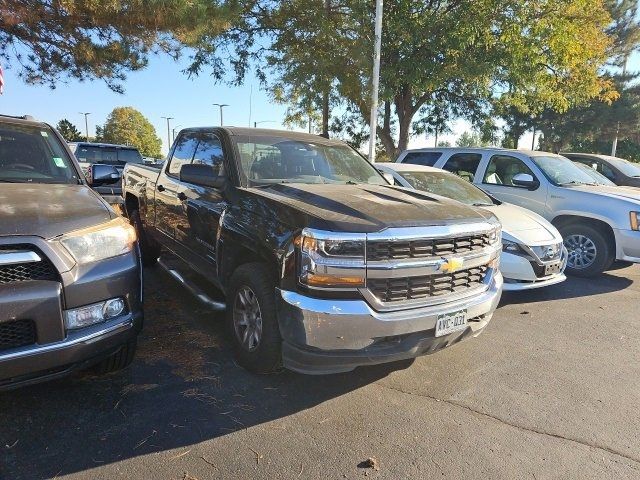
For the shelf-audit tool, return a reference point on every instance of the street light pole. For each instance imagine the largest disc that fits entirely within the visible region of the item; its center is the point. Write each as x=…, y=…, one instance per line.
x=375, y=81
x=173, y=132
x=221, y=105
x=255, y=124
x=86, y=124
x=168, y=133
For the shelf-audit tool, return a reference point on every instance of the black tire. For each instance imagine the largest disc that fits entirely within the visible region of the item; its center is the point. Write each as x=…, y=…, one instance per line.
x=119, y=360
x=604, y=250
x=149, y=249
x=266, y=355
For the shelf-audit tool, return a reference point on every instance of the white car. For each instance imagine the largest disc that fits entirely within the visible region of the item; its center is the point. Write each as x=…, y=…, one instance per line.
x=533, y=255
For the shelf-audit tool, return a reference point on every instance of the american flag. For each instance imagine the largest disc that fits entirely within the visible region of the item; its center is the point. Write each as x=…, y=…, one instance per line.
x=1, y=81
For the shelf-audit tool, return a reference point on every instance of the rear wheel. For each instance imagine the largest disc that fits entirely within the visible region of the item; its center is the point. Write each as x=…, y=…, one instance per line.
x=149, y=249
x=590, y=252
x=252, y=320
x=119, y=360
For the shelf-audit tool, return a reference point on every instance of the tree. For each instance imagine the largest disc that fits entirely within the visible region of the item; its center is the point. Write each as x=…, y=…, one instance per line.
x=52, y=40
x=127, y=126
x=470, y=139
x=542, y=54
x=69, y=131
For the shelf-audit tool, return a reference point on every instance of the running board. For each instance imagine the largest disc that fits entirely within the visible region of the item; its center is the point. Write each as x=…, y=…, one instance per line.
x=195, y=290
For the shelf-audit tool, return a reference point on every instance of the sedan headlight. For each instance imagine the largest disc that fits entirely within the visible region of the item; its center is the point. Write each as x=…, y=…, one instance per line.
x=548, y=252
x=331, y=260
x=110, y=239
x=511, y=247
x=634, y=219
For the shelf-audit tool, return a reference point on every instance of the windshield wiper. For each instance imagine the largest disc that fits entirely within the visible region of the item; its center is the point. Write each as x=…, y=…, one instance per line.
x=480, y=204
x=350, y=182
x=573, y=182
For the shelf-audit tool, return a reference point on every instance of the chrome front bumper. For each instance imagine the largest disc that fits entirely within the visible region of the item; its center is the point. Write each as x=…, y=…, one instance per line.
x=329, y=336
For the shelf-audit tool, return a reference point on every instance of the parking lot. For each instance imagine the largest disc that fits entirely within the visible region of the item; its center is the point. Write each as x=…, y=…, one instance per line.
x=550, y=390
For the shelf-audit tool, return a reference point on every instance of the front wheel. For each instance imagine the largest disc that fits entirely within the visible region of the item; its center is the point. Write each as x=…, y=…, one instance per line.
x=590, y=253
x=252, y=321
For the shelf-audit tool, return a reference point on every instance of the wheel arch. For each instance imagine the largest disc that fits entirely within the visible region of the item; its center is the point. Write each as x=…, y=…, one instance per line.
x=602, y=226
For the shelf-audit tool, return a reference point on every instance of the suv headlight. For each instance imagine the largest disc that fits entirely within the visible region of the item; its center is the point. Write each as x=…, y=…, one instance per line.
x=110, y=239
x=331, y=260
x=634, y=220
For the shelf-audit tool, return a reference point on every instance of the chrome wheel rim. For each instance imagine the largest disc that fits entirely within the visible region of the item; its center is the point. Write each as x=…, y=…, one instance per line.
x=247, y=319
x=582, y=251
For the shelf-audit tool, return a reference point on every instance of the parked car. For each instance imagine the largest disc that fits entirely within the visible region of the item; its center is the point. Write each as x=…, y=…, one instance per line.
x=70, y=274
x=618, y=170
x=532, y=256
x=324, y=265
x=89, y=154
x=599, y=223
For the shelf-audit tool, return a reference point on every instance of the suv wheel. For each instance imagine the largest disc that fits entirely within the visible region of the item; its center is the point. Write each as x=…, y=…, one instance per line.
x=150, y=251
x=589, y=251
x=117, y=361
x=252, y=320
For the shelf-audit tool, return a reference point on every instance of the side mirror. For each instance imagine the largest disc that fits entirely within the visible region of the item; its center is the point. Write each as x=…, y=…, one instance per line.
x=100, y=174
x=525, y=180
x=199, y=174
x=389, y=178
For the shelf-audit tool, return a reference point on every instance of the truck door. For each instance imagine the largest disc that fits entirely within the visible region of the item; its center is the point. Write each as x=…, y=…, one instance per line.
x=205, y=205
x=497, y=179
x=171, y=219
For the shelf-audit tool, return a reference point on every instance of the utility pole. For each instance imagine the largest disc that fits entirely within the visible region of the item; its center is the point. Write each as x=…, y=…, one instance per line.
x=375, y=81
x=221, y=105
x=435, y=142
x=86, y=124
x=168, y=134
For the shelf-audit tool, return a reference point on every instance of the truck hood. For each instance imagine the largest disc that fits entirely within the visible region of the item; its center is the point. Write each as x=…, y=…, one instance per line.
x=368, y=208
x=524, y=226
x=47, y=211
x=612, y=191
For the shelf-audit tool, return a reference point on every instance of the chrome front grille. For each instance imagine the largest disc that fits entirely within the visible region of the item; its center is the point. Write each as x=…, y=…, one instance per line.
x=381, y=250
x=427, y=286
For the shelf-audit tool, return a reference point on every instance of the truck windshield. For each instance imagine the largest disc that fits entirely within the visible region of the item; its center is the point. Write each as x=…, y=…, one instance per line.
x=562, y=171
x=33, y=154
x=448, y=185
x=267, y=160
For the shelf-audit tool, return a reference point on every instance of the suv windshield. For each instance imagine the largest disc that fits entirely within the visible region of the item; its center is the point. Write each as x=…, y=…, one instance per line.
x=562, y=171
x=33, y=154
x=267, y=160
x=597, y=176
x=448, y=185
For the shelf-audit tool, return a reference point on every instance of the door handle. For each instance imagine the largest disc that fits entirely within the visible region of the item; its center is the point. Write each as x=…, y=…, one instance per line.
x=160, y=188
x=181, y=196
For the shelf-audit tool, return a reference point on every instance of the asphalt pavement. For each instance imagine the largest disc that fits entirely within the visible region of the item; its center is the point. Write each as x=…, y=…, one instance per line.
x=550, y=390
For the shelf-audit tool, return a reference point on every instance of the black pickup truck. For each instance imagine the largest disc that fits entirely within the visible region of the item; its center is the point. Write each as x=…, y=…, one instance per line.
x=323, y=264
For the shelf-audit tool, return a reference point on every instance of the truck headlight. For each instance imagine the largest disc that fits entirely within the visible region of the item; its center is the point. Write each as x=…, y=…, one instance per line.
x=331, y=260
x=634, y=219
x=107, y=240
x=495, y=234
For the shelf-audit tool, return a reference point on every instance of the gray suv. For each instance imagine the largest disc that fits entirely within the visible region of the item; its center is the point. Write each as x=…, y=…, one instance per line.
x=599, y=223
x=70, y=275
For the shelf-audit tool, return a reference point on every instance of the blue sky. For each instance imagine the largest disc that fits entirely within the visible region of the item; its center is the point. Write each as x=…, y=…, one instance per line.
x=163, y=90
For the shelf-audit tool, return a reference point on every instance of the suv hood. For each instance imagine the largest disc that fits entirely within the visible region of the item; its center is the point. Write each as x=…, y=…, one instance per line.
x=368, y=208
x=612, y=191
x=46, y=211
x=524, y=226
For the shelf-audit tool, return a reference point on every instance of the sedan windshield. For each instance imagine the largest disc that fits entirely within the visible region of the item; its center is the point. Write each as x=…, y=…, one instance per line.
x=268, y=160
x=562, y=171
x=448, y=185
x=630, y=169
x=33, y=154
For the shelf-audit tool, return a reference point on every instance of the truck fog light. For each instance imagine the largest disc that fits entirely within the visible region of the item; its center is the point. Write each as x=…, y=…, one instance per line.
x=113, y=307
x=94, y=313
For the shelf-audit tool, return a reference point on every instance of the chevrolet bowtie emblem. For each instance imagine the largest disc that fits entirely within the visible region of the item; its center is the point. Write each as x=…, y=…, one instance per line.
x=451, y=265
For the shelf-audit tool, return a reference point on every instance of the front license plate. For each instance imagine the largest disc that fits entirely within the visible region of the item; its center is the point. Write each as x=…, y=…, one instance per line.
x=552, y=268
x=451, y=322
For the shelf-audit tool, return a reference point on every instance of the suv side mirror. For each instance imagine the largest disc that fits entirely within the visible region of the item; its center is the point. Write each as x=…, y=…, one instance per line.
x=200, y=174
x=100, y=174
x=389, y=178
x=525, y=180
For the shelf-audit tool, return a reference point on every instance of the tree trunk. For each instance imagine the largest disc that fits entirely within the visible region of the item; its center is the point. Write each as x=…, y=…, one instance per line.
x=385, y=133
x=325, y=113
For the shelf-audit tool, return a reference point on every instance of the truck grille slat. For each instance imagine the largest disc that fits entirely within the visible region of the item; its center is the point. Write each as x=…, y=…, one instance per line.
x=20, y=272
x=411, y=288
x=380, y=250
x=17, y=333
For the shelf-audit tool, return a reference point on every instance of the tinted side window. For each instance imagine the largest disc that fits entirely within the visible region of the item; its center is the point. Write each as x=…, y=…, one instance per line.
x=422, y=158
x=464, y=165
x=502, y=169
x=209, y=152
x=606, y=170
x=183, y=153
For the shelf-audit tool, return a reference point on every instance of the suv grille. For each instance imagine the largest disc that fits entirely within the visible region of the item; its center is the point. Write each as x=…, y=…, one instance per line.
x=17, y=333
x=398, y=250
x=410, y=288
x=20, y=272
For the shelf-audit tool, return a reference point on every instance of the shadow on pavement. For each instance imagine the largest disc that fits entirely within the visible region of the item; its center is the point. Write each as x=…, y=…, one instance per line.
x=572, y=287
x=182, y=389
